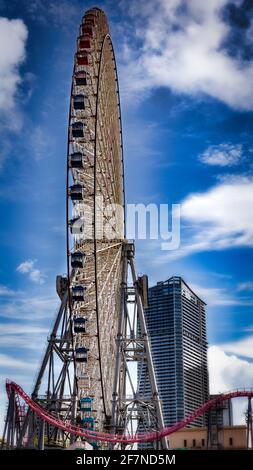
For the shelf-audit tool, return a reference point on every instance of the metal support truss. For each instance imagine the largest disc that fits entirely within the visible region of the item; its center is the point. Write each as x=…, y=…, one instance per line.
x=132, y=410
x=56, y=385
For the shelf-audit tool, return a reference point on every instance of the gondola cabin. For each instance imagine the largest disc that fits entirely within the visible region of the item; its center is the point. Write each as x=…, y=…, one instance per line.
x=88, y=20
x=89, y=422
x=78, y=260
x=77, y=129
x=82, y=58
x=76, y=192
x=84, y=43
x=76, y=225
x=79, y=325
x=86, y=404
x=87, y=31
x=78, y=293
x=79, y=102
x=81, y=78
x=81, y=354
x=77, y=160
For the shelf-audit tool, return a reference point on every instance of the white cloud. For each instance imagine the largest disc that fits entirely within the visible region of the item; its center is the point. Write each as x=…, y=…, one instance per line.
x=217, y=296
x=245, y=286
x=6, y=292
x=222, y=155
x=30, y=308
x=180, y=46
x=228, y=372
x=35, y=275
x=241, y=347
x=13, y=36
x=25, y=336
x=9, y=362
x=218, y=218
x=10, y=328
x=40, y=143
x=63, y=14
x=26, y=266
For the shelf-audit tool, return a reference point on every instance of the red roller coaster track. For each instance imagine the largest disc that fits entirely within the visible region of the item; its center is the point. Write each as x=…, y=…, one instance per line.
x=116, y=438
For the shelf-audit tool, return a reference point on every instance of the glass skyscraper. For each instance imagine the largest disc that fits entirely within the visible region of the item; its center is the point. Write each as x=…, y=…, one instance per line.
x=176, y=323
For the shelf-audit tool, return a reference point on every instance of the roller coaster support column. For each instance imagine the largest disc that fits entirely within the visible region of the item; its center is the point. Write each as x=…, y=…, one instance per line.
x=9, y=428
x=41, y=435
x=249, y=419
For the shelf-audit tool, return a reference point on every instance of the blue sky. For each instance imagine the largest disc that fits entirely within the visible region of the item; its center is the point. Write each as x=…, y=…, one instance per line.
x=186, y=79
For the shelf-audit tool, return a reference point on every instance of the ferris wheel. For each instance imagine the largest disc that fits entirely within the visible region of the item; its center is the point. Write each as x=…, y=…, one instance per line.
x=95, y=198
x=97, y=376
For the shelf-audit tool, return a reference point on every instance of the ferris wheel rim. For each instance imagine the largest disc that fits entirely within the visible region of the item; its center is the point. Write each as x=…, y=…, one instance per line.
x=94, y=205
x=106, y=38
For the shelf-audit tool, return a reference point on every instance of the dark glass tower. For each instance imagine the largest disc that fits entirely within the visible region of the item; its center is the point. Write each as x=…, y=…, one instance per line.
x=176, y=323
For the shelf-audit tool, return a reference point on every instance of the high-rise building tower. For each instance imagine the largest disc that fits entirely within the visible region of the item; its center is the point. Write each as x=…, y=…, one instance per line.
x=176, y=323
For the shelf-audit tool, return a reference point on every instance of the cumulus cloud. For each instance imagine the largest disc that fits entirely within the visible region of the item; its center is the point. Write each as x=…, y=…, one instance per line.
x=181, y=45
x=218, y=218
x=13, y=37
x=228, y=372
x=34, y=274
x=241, y=347
x=222, y=155
x=26, y=266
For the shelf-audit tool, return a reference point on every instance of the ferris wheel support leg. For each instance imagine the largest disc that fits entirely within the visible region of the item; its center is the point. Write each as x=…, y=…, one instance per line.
x=28, y=426
x=74, y=412
x=49, y=347
x=152, y=377
x=115, y=395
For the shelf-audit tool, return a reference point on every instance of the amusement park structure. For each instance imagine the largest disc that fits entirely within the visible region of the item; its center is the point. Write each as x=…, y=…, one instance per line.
x=87, y=387
x=99, y=336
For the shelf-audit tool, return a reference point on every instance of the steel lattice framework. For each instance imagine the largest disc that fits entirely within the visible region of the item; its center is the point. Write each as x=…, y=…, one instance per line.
x=99, y=334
